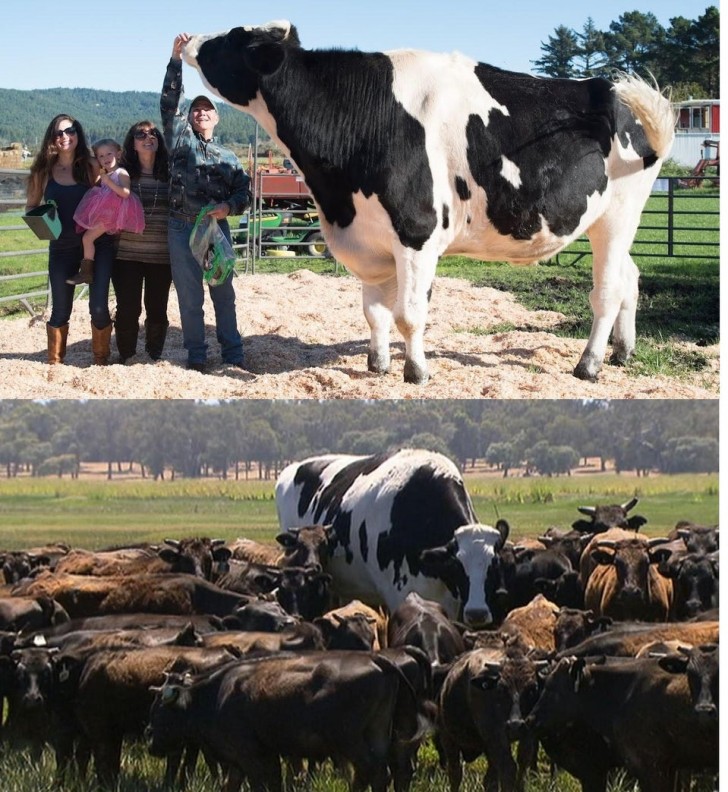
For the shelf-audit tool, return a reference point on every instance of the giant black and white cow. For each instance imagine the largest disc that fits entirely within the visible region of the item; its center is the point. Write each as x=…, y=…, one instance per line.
x=400, y=522
x=411, y=155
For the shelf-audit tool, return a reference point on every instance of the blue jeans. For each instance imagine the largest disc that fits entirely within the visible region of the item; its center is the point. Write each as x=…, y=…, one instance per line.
x=187, y=277
x=64, y=262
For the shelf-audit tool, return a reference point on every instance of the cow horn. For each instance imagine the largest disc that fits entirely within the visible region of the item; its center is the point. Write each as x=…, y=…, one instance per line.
x=590, y=511
x=606, y=543
x=493, y=667
x=172, y=543
x=630, y=504
x=657, y=540
x=216, y=542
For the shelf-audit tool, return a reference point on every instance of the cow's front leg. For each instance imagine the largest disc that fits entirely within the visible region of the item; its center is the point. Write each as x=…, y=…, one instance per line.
x=378, y=300
x=415, y=273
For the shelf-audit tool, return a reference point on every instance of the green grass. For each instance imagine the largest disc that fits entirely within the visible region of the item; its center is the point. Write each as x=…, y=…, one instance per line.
x=97, y=513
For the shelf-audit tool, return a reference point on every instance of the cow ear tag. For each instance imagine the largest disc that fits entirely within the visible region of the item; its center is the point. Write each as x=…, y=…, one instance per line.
x=64, y=675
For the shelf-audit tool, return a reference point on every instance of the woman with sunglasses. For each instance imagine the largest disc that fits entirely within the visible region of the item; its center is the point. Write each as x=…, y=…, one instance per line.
x=142, y=260
x=63, y=171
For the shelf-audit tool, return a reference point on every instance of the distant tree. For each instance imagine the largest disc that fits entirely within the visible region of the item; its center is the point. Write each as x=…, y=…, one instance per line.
x=591, y=59
x=559, y=54
x=706, y=30
x=632, y=43
x=504, y=455
x=691, y=455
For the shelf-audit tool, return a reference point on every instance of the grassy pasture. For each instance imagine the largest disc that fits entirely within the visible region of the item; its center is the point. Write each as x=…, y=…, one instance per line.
x=94, y=513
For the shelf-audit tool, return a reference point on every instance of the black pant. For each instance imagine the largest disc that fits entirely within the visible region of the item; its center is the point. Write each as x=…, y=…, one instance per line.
x=129, y=279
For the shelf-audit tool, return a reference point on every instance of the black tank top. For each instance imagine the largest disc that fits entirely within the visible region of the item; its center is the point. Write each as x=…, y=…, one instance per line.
x=68, y=197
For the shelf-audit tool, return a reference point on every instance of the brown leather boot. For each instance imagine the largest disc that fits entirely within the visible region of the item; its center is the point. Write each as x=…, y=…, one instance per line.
x=101, y=344
x=84, y=275
x=57, y=337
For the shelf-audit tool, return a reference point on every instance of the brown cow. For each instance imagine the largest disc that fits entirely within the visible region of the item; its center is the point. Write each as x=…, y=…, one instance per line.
x=354, y=626
x=350, y=706
x=620, y=577
x=534, y=623
x=199, y=556
x=111, y=697
x=626, y=639
x=483, y=704
x=83, y=595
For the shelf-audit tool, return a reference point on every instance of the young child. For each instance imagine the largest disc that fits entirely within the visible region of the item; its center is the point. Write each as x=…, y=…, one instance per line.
x=108, y=208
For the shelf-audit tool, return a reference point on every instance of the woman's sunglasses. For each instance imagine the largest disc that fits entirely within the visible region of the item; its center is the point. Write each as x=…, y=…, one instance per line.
x=68, y=131
x=142, y=134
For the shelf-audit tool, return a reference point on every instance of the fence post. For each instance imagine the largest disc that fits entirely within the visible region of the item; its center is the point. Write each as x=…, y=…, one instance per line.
x=670, y=215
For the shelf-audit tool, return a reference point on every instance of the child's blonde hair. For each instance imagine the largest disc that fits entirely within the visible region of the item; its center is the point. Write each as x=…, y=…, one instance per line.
x=106, y=142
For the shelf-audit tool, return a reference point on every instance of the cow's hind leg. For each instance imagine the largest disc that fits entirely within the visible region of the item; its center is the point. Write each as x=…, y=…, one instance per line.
x=613, y=297
x=378, y=300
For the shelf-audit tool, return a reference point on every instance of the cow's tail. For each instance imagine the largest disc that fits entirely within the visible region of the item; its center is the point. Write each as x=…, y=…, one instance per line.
x=652, y=108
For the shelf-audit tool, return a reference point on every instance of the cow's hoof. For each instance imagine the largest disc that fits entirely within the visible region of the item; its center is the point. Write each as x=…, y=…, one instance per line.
x=620, y=355
x=414, y=374
x=377, y=364
x=584, y=372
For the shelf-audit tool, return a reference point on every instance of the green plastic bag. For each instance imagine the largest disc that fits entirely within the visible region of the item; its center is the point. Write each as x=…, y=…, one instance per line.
x=211, y=248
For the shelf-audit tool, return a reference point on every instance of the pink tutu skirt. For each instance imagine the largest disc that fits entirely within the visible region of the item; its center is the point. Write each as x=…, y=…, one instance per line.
x=101, y=206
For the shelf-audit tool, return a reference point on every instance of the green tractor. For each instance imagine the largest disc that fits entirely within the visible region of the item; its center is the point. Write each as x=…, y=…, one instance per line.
x=283, y=232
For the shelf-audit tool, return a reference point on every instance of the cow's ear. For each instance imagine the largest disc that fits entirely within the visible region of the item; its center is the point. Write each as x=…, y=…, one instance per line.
x=602, y=556
x=435, y=559
x=222, y=554
x=503, y=529
x=584, y=526
x=168, y=554
x=673, y=663
x=636, y=522
x=286, y=539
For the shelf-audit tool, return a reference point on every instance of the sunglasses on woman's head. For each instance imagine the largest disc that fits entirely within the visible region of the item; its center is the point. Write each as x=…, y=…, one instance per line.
x=68, y=131
x=142, y=134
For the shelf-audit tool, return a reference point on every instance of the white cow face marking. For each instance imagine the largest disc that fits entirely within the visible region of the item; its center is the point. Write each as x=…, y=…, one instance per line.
x=476, y=550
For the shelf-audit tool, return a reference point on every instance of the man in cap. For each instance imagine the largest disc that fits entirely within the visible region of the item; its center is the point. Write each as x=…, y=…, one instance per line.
x=202, y=172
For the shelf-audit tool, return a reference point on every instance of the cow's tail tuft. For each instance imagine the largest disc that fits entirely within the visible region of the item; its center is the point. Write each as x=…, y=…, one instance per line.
x=652, y=108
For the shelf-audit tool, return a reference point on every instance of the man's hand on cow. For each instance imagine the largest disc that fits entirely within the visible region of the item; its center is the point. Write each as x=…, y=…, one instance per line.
x=219, y=211
x=179, y=42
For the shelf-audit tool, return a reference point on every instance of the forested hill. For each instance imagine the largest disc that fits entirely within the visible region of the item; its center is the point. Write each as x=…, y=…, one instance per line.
x=24, y=115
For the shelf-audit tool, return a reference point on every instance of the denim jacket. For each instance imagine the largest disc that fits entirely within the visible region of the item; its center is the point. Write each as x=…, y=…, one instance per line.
x=201, y=171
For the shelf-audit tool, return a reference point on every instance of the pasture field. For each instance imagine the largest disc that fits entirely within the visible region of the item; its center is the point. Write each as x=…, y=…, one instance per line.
x=95, y=514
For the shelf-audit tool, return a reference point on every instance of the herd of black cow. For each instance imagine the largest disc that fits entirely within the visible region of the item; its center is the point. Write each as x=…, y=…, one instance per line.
x=603, y=649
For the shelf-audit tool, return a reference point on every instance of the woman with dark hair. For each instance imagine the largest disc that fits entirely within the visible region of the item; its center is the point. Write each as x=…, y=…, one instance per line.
x=62, y=171
x=142, y=260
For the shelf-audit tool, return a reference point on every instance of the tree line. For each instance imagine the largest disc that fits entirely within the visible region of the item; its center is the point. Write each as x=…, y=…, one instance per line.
x=685, y=55
x=24, y=115
x=197, y=439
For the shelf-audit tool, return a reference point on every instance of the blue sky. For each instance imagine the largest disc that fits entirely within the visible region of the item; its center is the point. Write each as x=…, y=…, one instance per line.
x=125, y=45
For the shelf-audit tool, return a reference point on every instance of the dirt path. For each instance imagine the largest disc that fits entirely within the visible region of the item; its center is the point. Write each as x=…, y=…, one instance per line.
x=306, y=337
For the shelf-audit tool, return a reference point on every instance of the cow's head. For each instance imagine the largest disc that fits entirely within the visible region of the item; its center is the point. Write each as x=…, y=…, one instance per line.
x=308, y=546
x=199, y=557
x=468, y=565
x=701, y=664
x=613, y=516
x=695, y=582
x=231, y=64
